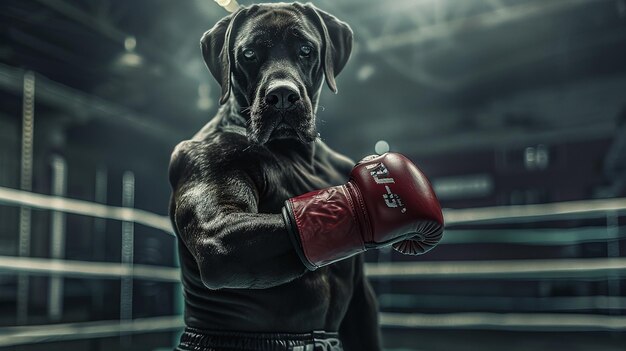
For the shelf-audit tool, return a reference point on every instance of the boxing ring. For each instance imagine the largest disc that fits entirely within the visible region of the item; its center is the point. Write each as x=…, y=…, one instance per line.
x=459, y=224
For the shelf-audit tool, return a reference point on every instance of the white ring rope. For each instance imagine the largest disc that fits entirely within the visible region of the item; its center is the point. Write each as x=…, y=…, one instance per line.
x=88, y=269
x=452, y=216
x=533, y=236
x=553, y=268
x=11, y=336
x=502, y=303
x=415, y=269
x=533, y=212
x=86, y=208
x=505, y=321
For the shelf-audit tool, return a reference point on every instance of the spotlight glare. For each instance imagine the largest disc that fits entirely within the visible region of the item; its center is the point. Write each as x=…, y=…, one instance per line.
x=130, y=43
x=365, y=72
x=228, y=5
x=381, y=147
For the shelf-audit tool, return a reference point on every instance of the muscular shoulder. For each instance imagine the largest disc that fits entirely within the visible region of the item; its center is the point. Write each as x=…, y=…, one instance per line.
x=221, y=153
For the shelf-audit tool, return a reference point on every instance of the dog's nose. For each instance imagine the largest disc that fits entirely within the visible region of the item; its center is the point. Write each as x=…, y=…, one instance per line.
x=282, y=96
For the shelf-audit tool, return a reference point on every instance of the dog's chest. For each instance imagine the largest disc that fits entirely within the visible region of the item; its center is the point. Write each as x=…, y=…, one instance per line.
x=326, y=292
x=289, y=179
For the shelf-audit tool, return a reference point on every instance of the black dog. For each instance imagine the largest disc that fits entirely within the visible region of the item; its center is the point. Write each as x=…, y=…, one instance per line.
x=242, y=279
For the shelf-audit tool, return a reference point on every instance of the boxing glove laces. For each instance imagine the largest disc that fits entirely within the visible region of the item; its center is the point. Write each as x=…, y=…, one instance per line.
x=387, y=201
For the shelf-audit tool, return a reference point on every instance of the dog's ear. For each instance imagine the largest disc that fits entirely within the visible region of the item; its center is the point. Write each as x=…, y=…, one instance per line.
x=217, y=50
x=337, y=42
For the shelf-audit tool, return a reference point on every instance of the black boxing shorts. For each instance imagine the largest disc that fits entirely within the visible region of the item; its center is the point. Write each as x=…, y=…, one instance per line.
x=206, y=340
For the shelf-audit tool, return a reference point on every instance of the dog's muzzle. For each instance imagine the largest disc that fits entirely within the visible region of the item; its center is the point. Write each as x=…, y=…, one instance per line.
x=281, y=109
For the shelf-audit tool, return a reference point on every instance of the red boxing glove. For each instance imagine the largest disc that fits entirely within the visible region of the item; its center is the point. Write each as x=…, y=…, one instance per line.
x=386, y=201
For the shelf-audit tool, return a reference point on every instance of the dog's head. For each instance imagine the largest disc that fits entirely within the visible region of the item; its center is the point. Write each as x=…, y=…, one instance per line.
x=272, y=59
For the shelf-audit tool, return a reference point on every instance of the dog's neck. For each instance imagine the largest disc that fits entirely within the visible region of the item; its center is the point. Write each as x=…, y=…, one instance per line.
x=230, y=118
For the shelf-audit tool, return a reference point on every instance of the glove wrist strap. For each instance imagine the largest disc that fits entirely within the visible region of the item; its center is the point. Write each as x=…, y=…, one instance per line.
x=324, y=226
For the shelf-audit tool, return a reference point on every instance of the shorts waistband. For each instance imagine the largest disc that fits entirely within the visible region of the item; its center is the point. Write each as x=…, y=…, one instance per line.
x=194, y=339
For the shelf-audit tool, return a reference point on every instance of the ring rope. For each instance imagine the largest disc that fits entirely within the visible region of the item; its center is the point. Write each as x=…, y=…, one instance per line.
x=86, y=208
x=88, y=269
x=591, y=208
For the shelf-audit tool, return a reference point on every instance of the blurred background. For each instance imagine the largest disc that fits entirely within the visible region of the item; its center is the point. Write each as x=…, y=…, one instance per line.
x=516, y=110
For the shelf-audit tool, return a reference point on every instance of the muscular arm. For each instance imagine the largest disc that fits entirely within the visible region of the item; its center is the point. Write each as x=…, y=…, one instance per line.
x=360, y=329
x=216, y=215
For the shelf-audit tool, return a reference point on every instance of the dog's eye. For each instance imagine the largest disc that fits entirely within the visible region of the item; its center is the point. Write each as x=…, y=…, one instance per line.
x=305, y=50
x=249, y=54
